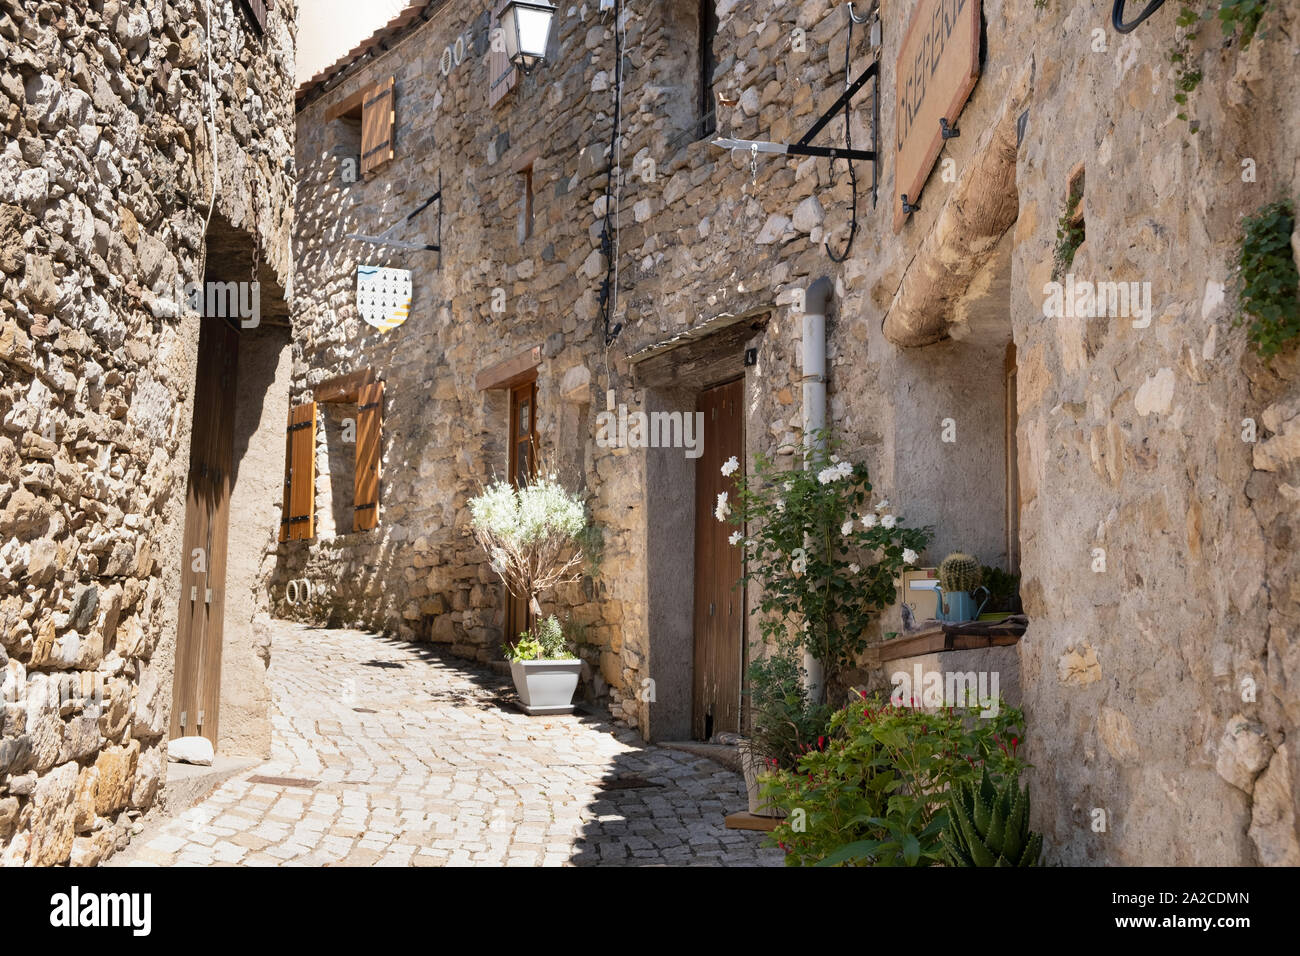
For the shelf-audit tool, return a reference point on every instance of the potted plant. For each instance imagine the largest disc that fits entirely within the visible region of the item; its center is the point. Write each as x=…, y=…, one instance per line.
x=959, y=581
x=544, y=670
x=531, y=536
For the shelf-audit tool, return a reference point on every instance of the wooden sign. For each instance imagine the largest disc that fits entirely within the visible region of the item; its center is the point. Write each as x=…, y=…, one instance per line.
x=938, y=65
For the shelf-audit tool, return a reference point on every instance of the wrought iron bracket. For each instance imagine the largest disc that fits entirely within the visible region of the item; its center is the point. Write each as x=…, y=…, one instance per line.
x=385, y=237
x=804, y=146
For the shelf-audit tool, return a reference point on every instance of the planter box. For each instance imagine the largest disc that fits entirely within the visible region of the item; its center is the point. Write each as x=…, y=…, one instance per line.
x=546, y=687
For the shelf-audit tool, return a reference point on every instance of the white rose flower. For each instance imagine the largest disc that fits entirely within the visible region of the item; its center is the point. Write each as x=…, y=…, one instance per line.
x=870, y=521
x=736, y=537
x=730, y=466
x=827, y=475
x=910, y=556
x=882, y=506
x=723, y=509
x=888, y=521
x=846, y=529
x=854, y=569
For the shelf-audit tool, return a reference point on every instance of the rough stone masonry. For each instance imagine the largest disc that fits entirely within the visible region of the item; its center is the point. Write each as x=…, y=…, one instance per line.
x=1125, y=442
x=107, y=113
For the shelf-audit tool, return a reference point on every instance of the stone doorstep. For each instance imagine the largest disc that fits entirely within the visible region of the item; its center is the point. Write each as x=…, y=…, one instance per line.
x=188, y=784
x=723, y=754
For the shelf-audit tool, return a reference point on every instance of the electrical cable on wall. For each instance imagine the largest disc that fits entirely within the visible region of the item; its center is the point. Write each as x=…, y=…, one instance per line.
x=608, y=242
x=848, y=144
x=212, y=113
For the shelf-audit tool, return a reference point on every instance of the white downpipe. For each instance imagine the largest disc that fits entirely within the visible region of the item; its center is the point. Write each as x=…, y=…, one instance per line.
x=814, y=417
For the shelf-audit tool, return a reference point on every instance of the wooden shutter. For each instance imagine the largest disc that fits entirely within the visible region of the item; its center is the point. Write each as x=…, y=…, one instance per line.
x=365, y=498
x=256, y=10
x=298, y=520
x=377, y=118
x=502, y=75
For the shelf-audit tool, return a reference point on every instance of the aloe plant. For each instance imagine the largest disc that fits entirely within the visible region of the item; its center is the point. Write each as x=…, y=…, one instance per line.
x=989, y=825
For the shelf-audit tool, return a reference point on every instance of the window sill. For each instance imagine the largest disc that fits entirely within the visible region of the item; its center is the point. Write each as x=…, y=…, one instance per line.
x=936, y=636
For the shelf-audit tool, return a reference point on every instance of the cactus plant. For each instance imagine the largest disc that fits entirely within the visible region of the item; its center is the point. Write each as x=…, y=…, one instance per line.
x=959, y=572
x=989, y=826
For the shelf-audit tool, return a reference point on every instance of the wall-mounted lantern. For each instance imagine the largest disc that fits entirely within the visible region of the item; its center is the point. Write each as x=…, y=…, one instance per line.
x=526, y=29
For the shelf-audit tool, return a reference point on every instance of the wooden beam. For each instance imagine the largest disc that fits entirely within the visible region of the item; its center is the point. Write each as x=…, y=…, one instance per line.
x=965, y=233
x=744, y=820
x=510, y=372
x=343, y=388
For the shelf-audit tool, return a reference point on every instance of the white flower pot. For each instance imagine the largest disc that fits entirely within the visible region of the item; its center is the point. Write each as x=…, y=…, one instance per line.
x=546, y=687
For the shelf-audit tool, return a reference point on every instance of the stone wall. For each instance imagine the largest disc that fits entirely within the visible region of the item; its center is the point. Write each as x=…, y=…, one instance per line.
x=1127, y=439
x=106, y=181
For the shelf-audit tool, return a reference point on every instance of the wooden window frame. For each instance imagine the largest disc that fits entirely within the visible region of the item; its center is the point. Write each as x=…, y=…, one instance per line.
x=527, y=388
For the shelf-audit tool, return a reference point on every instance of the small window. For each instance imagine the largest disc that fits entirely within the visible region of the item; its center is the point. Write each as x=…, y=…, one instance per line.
x=525, y=203
x=358, y=391
x=366, y=119
x=708, y=63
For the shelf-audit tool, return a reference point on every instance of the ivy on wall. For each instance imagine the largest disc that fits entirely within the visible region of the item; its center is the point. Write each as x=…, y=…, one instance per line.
x=1237, y=18
x=1267, y=284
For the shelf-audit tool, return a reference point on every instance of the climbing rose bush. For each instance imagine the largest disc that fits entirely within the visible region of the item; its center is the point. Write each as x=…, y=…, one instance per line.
x=824, y=557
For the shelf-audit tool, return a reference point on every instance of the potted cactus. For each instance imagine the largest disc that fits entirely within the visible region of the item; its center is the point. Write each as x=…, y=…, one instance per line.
x=989, y=825
x=959, y=581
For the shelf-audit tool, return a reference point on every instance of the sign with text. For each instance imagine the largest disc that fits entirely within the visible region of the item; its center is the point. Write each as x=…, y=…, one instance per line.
x=938, y=65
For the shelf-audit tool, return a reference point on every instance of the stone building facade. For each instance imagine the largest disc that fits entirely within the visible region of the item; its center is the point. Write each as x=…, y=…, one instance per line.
x=145, y=153
x=1099, y=456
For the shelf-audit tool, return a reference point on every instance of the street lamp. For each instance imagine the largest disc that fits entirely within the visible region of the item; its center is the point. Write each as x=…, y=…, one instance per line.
x=526, y=25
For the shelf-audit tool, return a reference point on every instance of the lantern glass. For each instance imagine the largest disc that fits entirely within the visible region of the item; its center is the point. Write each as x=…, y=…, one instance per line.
x=526, y=25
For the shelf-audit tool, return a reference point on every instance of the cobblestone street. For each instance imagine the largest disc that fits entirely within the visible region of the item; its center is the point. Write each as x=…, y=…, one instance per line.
x=421, y=760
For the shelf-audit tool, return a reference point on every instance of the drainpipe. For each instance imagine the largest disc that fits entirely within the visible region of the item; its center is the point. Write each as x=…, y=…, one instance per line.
x=814, y=416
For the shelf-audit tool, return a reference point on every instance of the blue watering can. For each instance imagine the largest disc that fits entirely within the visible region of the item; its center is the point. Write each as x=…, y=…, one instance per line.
x=958, y=606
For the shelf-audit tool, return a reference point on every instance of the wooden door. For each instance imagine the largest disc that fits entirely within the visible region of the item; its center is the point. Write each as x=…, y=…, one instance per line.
x=719, y=603
x=522, y=449
x=197, y=683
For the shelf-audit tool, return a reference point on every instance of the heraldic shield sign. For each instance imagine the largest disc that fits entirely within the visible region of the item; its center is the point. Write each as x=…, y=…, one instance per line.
x=383, y=296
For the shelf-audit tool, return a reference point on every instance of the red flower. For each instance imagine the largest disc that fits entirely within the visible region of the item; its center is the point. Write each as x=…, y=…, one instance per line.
x=821, y=743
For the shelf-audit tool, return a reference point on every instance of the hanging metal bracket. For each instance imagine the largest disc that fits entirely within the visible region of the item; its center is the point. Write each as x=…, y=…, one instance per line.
x=384, y=238
x=804, y=147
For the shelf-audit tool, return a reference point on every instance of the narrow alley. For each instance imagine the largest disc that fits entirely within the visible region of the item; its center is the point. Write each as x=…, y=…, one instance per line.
x=400, y=757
